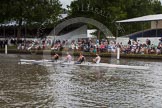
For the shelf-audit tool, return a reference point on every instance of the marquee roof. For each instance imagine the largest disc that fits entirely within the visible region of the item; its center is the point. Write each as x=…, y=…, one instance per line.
x=146, y=18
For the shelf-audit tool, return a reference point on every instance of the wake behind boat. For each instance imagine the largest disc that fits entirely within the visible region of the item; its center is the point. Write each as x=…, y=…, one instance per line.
x=51, y=63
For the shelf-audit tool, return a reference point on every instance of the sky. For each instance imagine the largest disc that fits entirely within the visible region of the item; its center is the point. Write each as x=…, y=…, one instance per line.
x=67, y=2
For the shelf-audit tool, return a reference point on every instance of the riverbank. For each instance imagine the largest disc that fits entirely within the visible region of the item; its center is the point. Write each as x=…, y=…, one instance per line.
x=48, y=52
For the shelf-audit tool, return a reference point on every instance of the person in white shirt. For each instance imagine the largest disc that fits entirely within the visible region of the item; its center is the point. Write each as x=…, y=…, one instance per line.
x=97, y=59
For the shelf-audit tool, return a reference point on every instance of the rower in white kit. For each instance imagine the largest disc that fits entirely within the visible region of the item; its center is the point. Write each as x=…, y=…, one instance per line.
x=97, y=59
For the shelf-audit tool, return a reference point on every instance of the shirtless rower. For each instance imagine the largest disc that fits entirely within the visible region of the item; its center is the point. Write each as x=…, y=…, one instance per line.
x=81, y=59
x=55, y=57
x=68, y=58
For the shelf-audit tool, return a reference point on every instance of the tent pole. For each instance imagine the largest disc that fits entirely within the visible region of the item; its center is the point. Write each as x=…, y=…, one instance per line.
x=99, y=35
x=117, y=32
x=142, y=29
x=156, y=28
x=25, y=32
x=14, y=31
x=4, y=34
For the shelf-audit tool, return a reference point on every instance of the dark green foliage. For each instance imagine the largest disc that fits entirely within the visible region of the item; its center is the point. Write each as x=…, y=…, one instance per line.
x=109, y=11
x=30, y=11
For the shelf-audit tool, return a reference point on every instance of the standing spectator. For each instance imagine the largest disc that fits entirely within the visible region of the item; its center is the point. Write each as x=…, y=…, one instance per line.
x=160, y=41
x=1, y=44
x=72, y=46
x=129, y=42
x=138, y=46
x=148, y=42
x=159, y=48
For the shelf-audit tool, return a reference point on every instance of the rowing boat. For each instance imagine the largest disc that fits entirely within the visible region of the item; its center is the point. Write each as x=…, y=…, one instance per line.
x=51, y=63
x=39, y=62
x=108, y=65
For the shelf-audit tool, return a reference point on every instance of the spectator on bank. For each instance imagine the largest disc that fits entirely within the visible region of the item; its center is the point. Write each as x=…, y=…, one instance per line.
x=129, y=42
x=102, y=47
x=148, y=42
x=159, y=47
x=89, y=45
x=72, y=46
x=1, y=44
x=134, y=47
x=152, y=50
x=142, y=49
x=158, y=50
x=160, y=41
x=76, y=47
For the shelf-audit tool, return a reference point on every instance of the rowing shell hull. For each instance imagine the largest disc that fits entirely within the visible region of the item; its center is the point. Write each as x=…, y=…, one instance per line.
x=50, y=63
x=109, y=65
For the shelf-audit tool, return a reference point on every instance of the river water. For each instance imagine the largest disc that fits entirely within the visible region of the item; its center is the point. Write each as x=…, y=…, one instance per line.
x=60, y=86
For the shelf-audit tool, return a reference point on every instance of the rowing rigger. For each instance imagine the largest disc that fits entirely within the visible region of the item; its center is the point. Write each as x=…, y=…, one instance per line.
x=51, y=63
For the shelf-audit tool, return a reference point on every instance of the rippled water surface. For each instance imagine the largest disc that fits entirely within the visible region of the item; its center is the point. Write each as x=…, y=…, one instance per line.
x=67, y=86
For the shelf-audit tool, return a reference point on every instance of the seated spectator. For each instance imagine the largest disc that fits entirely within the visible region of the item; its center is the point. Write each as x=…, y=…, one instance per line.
x=94, y=50
x=152, y=50
x=127, y=49
x=133, y=49
x=102, y=47
x=72, y=46
x=158, y=50
x=142, y=50
x=54, y=47
x=109, y=48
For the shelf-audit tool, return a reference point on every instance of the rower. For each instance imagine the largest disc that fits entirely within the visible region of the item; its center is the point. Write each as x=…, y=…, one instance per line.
x=97, y=59
x=55, y=57
x=68, y=58
x=81, y=59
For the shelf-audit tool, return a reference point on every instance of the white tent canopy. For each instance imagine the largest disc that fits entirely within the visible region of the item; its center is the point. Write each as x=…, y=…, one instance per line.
x=156, y=17
x=9, y=23
x=12, y=23
x=74, y=35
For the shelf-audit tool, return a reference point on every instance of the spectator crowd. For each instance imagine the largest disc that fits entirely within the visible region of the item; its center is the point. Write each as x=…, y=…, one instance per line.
x=87, y=45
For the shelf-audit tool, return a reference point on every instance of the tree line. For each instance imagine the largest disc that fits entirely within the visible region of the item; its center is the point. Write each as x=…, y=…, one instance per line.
x=36, y=12
x=109, y=11
x=31, y=12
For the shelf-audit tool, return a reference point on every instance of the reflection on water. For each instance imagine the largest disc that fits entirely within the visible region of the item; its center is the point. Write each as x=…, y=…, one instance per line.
x=78, y=86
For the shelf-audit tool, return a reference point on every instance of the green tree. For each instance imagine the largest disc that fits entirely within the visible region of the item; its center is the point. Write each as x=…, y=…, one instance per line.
x=157, y=8
x=30, y=11
x=109, y=11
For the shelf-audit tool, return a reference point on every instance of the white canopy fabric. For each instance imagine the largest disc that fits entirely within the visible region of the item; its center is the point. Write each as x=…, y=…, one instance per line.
x=12, y=23
x=156, y=17
x=9, y=23
x=73, y=35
